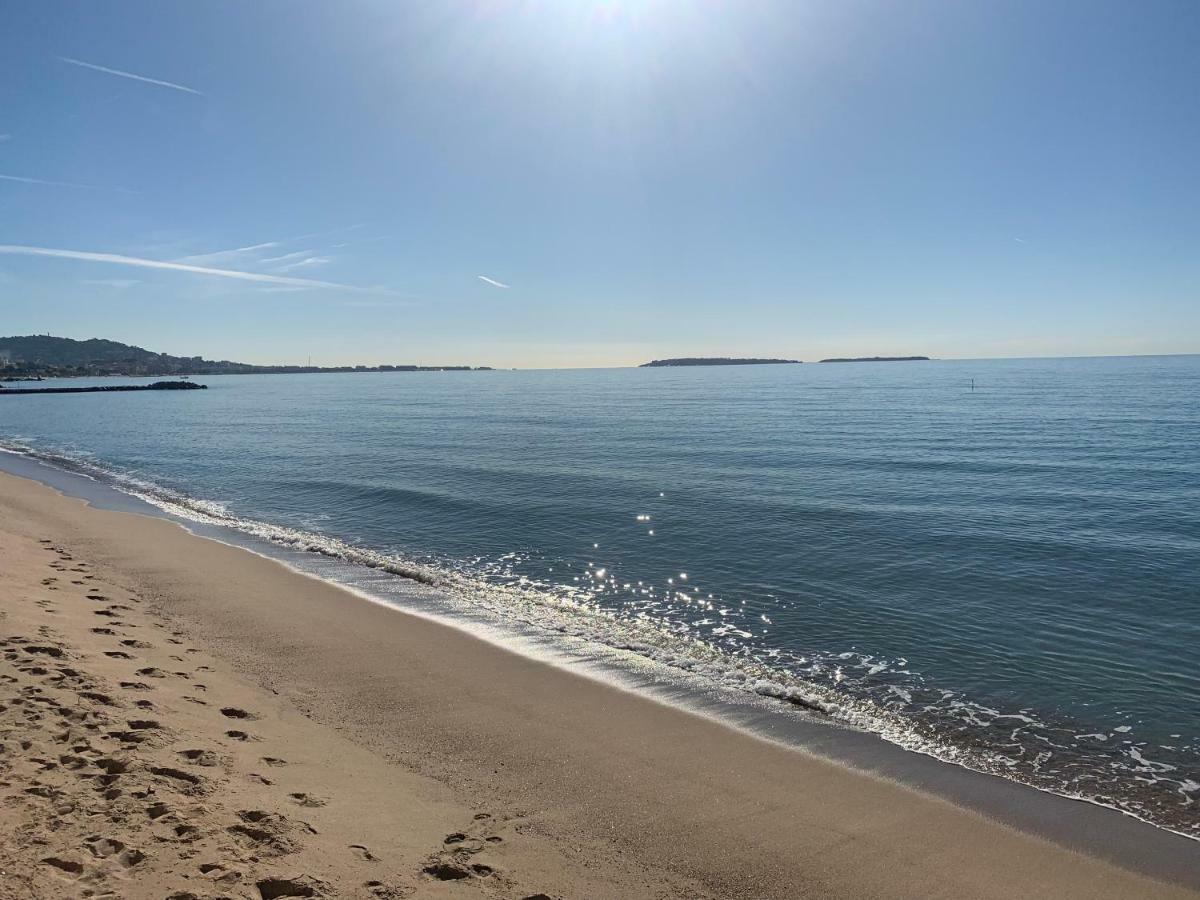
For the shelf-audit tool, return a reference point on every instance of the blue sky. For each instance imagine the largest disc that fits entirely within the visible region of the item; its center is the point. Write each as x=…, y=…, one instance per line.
x=637, y=178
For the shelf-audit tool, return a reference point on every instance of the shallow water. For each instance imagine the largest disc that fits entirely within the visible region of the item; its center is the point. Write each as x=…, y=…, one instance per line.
x=1005, y=577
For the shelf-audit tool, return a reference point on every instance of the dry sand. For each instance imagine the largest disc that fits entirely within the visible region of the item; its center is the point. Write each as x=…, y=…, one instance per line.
x=184, y=719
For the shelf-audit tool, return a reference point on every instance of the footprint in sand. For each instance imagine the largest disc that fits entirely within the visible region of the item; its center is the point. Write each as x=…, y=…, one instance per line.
x=97, y=697
x=56, y=652
x=267, y=833
x=69, y=866
x=185, y=832
x=129, y=738
x=444, y=871
x=105, y=848
x=178, y=777
x=303, y=799
x=302, y=886
x=201, y=757
x=453, y=863
x=157, y=810
x=110, y=765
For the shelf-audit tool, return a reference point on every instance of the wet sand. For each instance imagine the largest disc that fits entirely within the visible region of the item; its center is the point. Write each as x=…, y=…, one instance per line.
x=182, y=718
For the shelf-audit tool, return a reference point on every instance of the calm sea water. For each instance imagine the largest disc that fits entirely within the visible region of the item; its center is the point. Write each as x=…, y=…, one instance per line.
x=1007, y=577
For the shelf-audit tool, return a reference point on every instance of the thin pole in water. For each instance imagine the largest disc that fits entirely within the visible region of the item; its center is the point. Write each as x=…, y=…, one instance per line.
x=972, y=384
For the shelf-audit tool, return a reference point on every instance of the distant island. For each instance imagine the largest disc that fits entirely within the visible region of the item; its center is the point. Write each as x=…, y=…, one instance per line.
x=32, y=357
x=717, y=361
x=876, y=359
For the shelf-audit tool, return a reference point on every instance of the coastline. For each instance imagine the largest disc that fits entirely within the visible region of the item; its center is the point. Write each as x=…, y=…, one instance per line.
x=614, y=794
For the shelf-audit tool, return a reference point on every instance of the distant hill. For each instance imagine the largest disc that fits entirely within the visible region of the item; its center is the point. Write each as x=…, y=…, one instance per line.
x=716, y=361
x=876, y=359
x=40, y=355
x=94, y=356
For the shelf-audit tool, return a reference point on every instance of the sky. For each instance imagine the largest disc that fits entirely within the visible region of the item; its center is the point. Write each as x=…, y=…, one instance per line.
x=561, y=183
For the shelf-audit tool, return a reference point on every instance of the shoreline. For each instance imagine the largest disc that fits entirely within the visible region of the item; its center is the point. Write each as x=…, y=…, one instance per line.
x=1106, y=830
x=700, y=801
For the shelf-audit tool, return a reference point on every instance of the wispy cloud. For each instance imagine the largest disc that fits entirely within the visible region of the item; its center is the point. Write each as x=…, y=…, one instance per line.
x=281, y=289
x=221, y=255
x=1020, y=240
x=119, y=283
x=122, y=74
x=118, y=259
x=306, y=263
x=67, y=184
x=492, y=281
x=217, y=256
x=299, y=254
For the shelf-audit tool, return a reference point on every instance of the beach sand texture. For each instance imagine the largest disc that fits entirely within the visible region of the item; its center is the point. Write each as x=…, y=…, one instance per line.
x=184, y=719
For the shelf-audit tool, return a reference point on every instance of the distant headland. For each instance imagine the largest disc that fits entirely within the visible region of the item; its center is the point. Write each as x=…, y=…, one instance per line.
x=717, y=361
x=876, y=359
x=41, y=356
x=111, y=388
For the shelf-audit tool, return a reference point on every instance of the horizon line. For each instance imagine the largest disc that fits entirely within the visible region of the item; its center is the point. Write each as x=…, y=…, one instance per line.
x=536, y=368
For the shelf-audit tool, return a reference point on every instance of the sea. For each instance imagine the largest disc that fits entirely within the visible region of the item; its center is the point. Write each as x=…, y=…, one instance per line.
x=995, y=562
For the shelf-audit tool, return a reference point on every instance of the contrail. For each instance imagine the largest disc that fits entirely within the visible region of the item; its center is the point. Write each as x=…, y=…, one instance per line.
x=70, y=184
x=218, y=255
x=121, y=74
x=118, y=259
x=492, y=281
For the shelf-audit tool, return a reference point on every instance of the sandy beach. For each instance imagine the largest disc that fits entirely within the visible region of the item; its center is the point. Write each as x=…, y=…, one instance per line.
x=184, y=719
